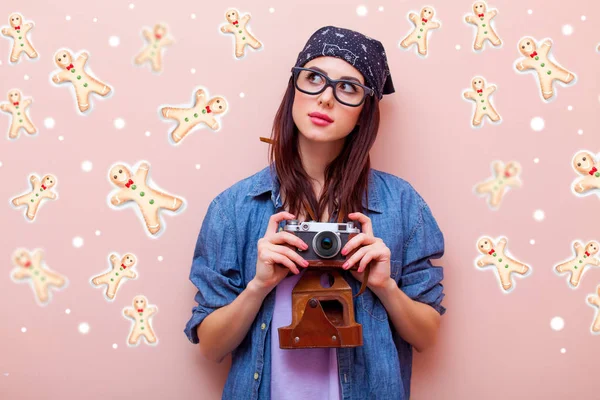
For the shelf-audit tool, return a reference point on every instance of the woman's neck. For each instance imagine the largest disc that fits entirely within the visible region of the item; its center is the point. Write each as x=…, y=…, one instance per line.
x=316, y=156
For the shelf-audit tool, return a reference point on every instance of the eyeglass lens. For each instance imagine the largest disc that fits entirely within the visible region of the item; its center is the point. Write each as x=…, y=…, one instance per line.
x=312, y=82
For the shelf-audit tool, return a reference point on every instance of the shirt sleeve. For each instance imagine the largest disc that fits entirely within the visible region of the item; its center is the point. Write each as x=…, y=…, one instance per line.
x=420, y=280
x=215, y=269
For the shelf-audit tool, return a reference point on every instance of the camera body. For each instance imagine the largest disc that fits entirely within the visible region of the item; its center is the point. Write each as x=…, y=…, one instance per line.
x=325, y=241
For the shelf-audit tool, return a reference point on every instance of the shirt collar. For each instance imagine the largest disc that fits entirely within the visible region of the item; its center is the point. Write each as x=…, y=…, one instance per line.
x=267, y=181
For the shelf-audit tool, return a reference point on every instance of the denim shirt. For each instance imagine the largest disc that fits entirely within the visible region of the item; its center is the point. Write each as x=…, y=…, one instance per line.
x=225, y=258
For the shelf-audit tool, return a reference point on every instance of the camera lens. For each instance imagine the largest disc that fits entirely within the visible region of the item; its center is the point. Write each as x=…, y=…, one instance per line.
x=327, y=244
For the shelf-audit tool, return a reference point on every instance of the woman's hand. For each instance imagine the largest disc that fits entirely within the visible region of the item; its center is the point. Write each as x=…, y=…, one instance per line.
x=274, y=259
x=373, y=250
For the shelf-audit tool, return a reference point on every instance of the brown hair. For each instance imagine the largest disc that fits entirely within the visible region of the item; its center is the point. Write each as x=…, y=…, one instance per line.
x=346, y=177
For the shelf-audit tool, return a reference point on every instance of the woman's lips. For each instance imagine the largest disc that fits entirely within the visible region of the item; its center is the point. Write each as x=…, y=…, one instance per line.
x=320, y=119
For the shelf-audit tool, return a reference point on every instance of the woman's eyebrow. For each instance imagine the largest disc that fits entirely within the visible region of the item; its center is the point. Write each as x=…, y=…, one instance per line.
x=351, y=78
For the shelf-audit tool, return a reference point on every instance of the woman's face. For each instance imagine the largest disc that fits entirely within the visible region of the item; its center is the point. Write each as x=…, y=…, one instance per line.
x=344, y=117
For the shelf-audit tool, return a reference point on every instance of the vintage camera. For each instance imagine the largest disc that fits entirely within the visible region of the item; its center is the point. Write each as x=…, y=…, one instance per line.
x=325, y=241
x=322, y=309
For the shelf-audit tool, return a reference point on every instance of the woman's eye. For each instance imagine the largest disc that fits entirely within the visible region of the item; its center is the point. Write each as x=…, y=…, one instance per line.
x=348, y=87
x=314, y=77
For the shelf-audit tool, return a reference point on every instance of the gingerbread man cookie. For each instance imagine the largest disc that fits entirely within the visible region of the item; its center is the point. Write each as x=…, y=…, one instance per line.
x=203, y=110
x=585, y=165
x=536, y=59
x=74, y=72
x=18, y=32
x=40, y=190
x=237, y=26
x=133, y=188
x=584, y=256
x=482, y=19
x=594, y=301
x=121, y=268
x=496, y=255
x=481, y=96
x=157, y=41
x=423, y=24
x=30, y=266
x=18, y=108
x=141, y=313
x=505, y=177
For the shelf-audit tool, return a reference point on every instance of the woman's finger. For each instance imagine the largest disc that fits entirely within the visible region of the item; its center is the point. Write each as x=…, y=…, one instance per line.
x=278, y=258
x=365, y=222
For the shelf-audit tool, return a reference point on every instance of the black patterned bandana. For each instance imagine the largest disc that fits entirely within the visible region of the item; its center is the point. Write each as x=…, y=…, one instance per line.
x=364, y=53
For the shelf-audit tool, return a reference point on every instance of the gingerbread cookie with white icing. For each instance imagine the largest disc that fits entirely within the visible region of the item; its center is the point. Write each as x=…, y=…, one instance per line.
x=40, y=190
x=120, y=269
x=17, y=107
x=30, y=266
x=495, y=254
x=141, y=313
x=18, y=31
x=134, y=188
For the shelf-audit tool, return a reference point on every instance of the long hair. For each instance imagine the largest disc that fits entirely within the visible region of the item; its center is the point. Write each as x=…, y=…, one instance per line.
x=346, y=177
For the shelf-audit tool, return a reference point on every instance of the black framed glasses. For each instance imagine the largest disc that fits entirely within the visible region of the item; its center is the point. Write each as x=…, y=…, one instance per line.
x=347, y=92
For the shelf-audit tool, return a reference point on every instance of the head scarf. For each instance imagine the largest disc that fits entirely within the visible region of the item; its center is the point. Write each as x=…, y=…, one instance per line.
x=364, y=53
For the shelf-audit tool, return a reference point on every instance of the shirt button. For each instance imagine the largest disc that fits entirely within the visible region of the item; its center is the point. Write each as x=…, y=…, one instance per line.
x=263, y=326
x=255, y=375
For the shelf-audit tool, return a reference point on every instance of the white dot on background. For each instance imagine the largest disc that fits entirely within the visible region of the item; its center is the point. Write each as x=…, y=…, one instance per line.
x=271, y=10
x=61, y=138
x=68, y=311
x=193, y=70
x=86, y=166
x=583, y=18
x=68, y=17
x=242, y=95
x=557, y=323
x=580, y=131
x=114, y=346
x=23, y=329
x=6, y=374
x=361, y=11
x=532, y=241
x=0, y=163
x=457, y=47
x=114, y=41
x=537, y=124
x=26, y=77
x=536, y=160
x=197, y=166
x=570, y=108
x=529, y=12
x=49, y=123
x=98, y=233
x=380, y=8
x=563, y=350
x=539, y=215
x=84, y=328
x=77, y=241
x=160, y=258
x=95, y=20
x=567, y=30
x=119, y=123
x=147, y=133
x=131, y=6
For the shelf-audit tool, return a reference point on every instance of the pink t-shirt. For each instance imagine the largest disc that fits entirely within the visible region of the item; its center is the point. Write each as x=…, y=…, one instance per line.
x=299, y=373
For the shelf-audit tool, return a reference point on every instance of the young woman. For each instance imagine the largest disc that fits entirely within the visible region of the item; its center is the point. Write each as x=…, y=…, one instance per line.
x=319, y=168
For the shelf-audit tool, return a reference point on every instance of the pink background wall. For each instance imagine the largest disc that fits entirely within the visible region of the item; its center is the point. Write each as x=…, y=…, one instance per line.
x=492, y=345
